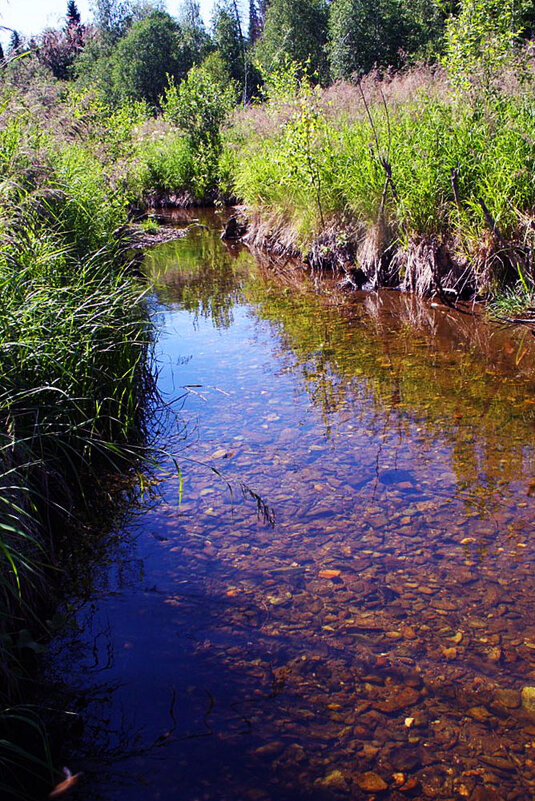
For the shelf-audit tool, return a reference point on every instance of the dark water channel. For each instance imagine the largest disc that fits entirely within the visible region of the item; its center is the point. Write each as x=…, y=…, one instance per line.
x=374, y=637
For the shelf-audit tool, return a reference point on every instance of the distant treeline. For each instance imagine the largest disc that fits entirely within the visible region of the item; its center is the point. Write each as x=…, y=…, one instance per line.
x=131, y=47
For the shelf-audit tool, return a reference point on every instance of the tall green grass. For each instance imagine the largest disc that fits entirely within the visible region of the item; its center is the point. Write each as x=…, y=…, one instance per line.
x=443, y=167
x=169, y=168
x=76, y=380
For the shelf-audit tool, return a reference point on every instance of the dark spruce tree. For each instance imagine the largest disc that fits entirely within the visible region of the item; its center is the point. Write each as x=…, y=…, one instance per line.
x=14, y=42
x=73, y=15
x=262, y=11
x=227, y=39
x=254, y=23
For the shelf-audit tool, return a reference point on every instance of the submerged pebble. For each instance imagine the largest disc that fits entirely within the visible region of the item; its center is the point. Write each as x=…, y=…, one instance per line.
x=374, y=635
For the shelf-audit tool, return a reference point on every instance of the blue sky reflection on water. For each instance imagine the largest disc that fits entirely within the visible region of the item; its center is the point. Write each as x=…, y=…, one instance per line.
x=222, y=657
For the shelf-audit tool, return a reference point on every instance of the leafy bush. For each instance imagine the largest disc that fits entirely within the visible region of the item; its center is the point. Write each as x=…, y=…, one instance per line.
x=479, y=42
x=198, y=106
x=151, y=50
x=165, y=166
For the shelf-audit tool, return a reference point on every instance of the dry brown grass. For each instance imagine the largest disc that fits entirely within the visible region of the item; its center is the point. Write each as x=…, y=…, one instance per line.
x=271, y=231
x=342, y=102
x=429, y=266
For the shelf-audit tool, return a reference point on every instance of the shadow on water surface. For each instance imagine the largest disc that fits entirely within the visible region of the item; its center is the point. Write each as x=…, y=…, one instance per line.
x=377, y=638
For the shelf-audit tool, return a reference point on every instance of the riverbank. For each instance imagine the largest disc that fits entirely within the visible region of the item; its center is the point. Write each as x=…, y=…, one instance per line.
x=76, y=387
x=397, y=181
x=405, y=179
x=402, y=180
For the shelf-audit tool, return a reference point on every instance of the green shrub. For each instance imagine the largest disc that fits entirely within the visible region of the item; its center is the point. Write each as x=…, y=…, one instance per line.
x=165, y=166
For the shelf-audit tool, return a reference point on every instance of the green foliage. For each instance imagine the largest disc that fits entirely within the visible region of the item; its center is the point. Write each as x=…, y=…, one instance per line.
x=74, y=361
x=93, y=67
x=217, y=70
x=151, y=50
x=198, y=106
x=150, y=226
x=165, y=166
x=312, y=172
x=136, y=46
x=228, y=41
x=85, y=212
x=479, y=42
x=424, y=27
x=16, y=146
x=111, y=18
x=512, y=301
x=305, y=151
x=195, y=39
x=363, y=33
x=295, y=30
x=285, y=81
x=106, y=128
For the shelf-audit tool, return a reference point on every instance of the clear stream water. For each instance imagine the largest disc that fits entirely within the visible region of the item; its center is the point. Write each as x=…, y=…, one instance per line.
x=342, y=604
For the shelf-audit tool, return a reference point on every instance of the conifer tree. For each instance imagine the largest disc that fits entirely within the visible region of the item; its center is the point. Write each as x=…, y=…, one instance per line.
x=262, y=11
x=73, y=15
x=254, y=23
x=226, y=37
x=14, y=42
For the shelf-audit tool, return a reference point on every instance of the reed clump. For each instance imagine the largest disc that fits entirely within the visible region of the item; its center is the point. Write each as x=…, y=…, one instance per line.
x=76, y=383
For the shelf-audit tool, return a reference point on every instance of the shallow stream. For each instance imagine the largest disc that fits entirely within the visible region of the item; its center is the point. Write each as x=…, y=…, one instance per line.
x=336, y=600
